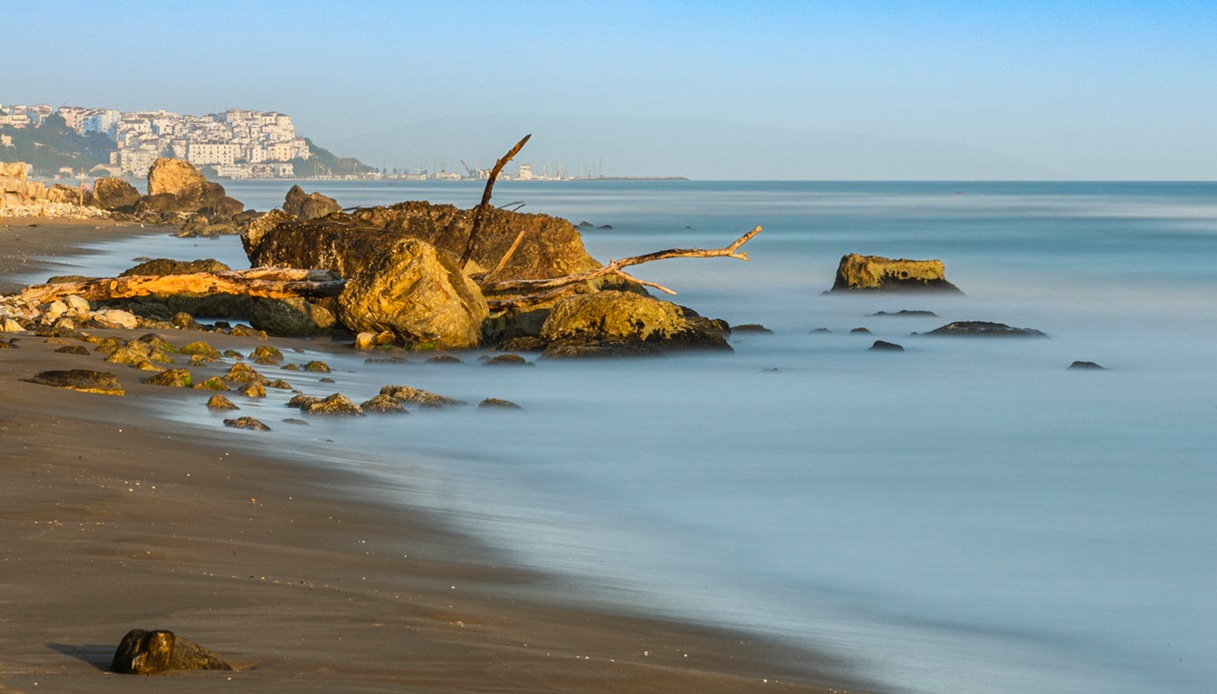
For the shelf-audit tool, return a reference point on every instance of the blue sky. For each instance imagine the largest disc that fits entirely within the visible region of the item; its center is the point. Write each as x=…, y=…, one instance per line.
x=1083, y=89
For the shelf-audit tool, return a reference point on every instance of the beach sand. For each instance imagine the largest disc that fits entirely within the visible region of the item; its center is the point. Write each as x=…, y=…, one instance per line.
x=111, y=520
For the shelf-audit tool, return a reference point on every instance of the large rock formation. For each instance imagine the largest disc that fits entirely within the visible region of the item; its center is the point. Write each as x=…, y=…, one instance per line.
x=616, y=323
x=417, y=292
x=875, y=273
x=69, y=194
x=15, y=188
x=115, y=194
x=311, y=206
x=175, y=186
x=344, y=243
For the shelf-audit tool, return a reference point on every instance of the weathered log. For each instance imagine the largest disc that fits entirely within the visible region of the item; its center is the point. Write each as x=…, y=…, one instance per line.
x=481, y=208
x=272, y=283
x=616, y=267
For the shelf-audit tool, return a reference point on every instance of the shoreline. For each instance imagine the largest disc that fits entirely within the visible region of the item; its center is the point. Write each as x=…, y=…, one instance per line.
x=116, y=520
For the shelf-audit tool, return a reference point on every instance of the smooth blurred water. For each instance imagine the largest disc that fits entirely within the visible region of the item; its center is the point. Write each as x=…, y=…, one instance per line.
x=965, y=516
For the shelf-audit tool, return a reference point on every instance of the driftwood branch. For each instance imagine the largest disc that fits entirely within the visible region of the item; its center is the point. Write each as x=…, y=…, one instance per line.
x=480, y=212
x=615, y=267
x=272, y=283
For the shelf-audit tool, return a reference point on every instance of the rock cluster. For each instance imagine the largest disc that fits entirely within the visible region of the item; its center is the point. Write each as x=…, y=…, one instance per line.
x=68, y=313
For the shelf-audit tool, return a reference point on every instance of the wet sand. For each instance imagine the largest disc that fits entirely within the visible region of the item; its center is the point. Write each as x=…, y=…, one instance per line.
x=112, y=520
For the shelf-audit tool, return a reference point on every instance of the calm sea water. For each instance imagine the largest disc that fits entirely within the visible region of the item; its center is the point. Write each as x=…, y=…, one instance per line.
x=965, y=516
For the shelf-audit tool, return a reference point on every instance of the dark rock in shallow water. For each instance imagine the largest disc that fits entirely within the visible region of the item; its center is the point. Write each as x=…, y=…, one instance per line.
x=336, y=404
x=70, y=349
x=246, y=423
x=317, y=366
x=1085, y=365
x=84, y=380
x=859, y=331
x=173, y=378
x=213, y=383
x=751, y=328
x=497, y=403
x=150, y=652
x=984, y=329
x=419, y=397
x=522, y=344
x=219, y=402
x=906, y=314
x=872, y=273
x=384, y=404
x=821, y=331
x=444, y=359
x=508, y=360
x=882, y=346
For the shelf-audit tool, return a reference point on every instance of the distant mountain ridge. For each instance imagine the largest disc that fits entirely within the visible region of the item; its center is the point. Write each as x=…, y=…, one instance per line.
x=699, y=149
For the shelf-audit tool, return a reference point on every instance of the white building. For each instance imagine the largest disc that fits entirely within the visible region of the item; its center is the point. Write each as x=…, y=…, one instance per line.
x=205, y=153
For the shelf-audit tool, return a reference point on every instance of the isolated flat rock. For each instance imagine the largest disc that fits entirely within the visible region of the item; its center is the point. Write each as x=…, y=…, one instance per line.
x=984, y=329
x=872, y=273
x=84, y=380
x=419, y=397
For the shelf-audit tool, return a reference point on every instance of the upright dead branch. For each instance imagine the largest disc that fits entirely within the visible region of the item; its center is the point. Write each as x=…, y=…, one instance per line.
x=482, y=208
x=616, y=267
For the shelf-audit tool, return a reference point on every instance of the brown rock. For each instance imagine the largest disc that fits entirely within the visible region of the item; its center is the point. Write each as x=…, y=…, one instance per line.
x=311, y=206
x=419, y=397
x=168, y=266
x=624, y=323
x=345, y=243
x=418, y=293
x=71, y=195
x=114, y=194
x=876, y=273
x=246, y=423
x=150, y=652
x=84, y=380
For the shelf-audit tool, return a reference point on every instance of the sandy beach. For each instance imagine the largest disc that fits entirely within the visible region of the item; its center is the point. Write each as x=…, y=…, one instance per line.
x=111, y=519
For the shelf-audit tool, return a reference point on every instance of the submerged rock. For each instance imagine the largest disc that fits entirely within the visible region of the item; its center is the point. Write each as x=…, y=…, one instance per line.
x=419, y=397
x=244, y=373
x=905, y=314
x=336, y=404
x=84, y=380
x=173, y=378
x=384, y=404
x=883, y=346
x=69, y=349
x=150, y=652
x=253, y=389
x=983, y=329
x=246, y=423
x=876, y=273
x=1086, y=365
x=266, y=355
x=219, y=402
x=508, y=360
x=498, y=404
x=213, y=383
x=201, y=349
x=316, y=366
x=751, y=328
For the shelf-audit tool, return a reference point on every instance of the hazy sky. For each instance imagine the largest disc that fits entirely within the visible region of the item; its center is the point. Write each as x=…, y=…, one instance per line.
x=1086, y=89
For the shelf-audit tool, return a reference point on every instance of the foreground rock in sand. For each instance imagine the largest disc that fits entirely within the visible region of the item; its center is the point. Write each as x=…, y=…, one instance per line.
x=624, y=324
x=150, y=652
x=876, y=273
x=84, y=380
x=418, y=293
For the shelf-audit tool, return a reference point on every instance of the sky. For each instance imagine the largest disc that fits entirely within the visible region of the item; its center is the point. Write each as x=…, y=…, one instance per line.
x=1063, y=89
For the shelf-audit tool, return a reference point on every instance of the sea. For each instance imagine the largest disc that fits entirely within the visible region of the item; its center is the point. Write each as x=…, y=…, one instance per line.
x=969, y=515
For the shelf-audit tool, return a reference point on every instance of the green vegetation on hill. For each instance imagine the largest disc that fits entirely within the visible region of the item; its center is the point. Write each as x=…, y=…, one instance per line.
x=324, y=163
x=54, y=145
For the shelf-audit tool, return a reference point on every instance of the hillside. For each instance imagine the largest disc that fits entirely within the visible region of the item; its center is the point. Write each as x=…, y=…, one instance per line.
x=325, y=163
x=55, y=145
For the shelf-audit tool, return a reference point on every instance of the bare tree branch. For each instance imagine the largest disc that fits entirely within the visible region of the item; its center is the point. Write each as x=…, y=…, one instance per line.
x=615, y=267
x=480, y=212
